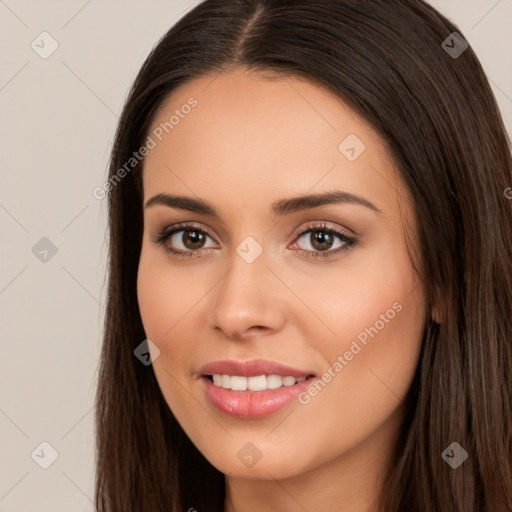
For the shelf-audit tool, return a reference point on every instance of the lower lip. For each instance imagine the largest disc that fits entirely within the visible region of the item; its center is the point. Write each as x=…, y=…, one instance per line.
x=253, y=404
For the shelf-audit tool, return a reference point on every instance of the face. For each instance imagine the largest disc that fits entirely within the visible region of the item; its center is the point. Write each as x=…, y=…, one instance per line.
x=259, y=262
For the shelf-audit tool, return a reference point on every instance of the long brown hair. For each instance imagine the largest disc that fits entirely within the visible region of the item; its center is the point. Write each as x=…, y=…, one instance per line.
x=437, y=112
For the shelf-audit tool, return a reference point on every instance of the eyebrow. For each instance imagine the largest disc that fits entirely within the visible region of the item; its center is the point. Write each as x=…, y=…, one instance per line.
x=279, y=208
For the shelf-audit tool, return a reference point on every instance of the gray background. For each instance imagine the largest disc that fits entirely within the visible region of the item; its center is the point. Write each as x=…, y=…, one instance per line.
x=58, y=117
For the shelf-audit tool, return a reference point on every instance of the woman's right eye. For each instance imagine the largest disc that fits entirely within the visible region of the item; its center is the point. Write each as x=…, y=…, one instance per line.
x=183, y=240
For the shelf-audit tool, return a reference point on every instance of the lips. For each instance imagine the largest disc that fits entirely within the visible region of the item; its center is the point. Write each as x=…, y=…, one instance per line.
x=253, y=404
x=252, y=368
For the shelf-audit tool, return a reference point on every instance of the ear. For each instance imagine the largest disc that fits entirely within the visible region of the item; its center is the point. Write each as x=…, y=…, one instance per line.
x=438, y=311
x=437, y=315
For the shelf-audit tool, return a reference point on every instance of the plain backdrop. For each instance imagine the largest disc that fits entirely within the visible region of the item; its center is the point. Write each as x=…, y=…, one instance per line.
x=58, y=117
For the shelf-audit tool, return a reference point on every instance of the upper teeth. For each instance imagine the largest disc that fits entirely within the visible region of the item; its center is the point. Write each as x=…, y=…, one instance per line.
x=259, y=383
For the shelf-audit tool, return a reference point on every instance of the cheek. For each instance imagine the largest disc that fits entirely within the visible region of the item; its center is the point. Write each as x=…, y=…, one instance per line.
x=171, y=302
x=370, y=287
x=162, y=294
x=165, y=298
x=373, y=311
x=155, y=300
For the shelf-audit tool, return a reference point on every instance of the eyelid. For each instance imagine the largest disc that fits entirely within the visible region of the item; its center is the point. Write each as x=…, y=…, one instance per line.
x=181, y=226
x=348, y=240
x=322, y=225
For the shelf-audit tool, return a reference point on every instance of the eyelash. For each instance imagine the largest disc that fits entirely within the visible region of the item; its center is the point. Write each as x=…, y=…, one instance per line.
x=348, y=241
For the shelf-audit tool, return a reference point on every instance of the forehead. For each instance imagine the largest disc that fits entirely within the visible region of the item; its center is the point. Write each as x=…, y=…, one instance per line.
x=258, y=135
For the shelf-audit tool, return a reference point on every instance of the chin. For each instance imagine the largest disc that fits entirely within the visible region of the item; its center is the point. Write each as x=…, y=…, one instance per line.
x=249, y=461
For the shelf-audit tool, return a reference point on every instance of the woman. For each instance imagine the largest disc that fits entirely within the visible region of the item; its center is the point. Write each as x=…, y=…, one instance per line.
x=310, y=242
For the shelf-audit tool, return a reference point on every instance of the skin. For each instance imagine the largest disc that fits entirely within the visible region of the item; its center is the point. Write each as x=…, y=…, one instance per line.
x=251, y=140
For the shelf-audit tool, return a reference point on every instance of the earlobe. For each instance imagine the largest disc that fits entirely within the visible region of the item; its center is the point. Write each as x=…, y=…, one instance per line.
x=438, y=305
x=437, y=315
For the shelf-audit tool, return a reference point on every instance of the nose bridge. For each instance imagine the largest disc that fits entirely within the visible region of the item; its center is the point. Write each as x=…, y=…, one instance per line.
x=246, y=297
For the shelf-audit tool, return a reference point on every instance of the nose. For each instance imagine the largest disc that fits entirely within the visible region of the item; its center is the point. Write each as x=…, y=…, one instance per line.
x=247, y=301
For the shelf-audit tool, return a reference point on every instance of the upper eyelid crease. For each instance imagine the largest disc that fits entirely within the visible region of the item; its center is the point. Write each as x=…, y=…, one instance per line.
x=279, y=208
x=186, y=226
x=348, y=240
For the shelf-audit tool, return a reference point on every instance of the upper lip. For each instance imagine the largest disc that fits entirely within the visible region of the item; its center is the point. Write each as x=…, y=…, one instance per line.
x=252, y=368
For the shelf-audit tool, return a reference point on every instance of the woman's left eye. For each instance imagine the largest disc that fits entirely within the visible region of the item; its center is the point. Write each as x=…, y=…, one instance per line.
x=319, y=244
x=321, y=239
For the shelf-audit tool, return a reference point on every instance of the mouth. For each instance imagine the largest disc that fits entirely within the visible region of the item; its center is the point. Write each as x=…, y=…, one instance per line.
x=253, y=388
x=256, y=396
x=254, y=383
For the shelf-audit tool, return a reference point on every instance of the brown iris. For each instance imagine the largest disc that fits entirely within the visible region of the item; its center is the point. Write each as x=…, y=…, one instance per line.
x=321, y=240
x=193, y=239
